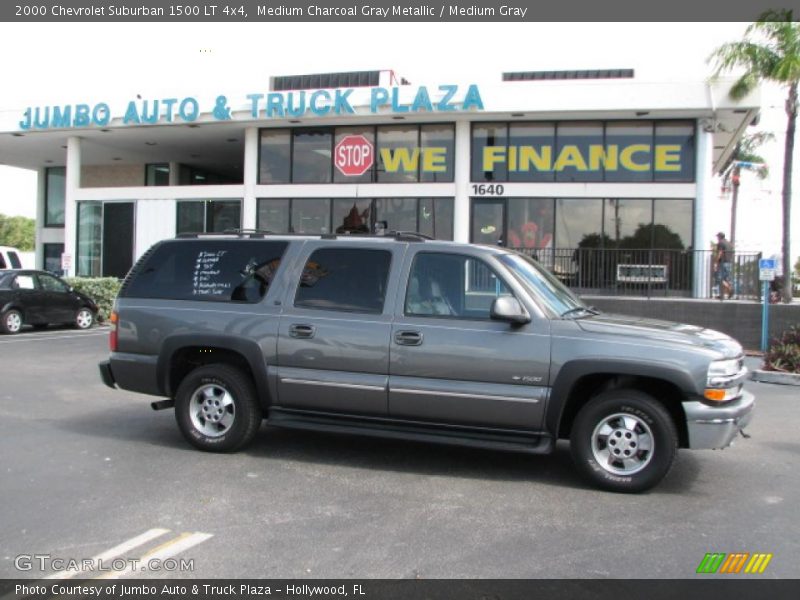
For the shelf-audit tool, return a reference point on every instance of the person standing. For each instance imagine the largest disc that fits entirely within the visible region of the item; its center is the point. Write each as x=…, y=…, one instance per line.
x=723, y=260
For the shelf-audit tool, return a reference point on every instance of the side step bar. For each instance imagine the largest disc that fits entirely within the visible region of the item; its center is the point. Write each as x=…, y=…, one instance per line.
x=495, y=439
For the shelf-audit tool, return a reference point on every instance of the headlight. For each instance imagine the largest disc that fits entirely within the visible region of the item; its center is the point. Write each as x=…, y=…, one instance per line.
x=723, y=368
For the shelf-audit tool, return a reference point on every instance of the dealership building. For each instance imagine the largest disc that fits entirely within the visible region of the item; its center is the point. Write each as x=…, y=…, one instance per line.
x=581, y=169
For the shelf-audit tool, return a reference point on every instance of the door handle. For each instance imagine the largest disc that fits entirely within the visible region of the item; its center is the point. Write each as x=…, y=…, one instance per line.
x=408, y=338
x=301, y=331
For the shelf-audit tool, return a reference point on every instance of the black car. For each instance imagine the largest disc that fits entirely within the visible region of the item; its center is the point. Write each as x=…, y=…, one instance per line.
x=39, y=298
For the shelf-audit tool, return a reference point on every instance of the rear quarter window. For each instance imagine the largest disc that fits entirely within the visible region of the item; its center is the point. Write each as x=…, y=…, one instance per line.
x=206, y=270
x=14, y=260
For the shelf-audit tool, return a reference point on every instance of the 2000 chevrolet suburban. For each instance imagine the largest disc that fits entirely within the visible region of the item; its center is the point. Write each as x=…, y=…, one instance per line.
x=401, y=336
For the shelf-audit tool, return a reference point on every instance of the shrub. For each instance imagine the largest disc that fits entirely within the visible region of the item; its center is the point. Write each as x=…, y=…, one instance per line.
x=102, y=289
x=784, y=352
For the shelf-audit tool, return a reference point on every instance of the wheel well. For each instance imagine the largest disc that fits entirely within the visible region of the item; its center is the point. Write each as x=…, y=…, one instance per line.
x=187, y=359
x=589, y=386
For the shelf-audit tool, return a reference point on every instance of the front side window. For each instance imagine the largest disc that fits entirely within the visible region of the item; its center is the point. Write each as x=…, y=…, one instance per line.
x=344, y=279
x=14, y=260
x=548, y=291
x=452, y=285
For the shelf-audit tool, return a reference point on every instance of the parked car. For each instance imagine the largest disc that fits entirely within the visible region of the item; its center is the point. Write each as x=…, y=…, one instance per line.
x=38, y=298
x=405, y=337
x=10, y=258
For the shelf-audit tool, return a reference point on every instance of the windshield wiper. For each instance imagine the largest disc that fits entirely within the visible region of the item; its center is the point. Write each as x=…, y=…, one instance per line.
x=580, y=309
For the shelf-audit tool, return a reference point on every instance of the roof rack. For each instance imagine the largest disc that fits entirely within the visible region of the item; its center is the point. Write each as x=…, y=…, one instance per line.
x=401, y=236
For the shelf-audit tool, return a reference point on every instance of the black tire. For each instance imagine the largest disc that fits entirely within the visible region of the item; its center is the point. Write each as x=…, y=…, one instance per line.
x=217, y=384
x=84, y=318
x=625, y=425
x=11, y=321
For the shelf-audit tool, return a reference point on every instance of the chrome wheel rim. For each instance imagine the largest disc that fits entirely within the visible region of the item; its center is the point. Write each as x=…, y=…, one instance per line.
x=622, y=444
x=13, y=322
x=212, y=410
x=84, y=319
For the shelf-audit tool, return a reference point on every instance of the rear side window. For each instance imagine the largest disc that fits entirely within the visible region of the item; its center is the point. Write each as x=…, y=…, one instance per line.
x=2, y=262
x=345, y=279
x=210, y=270
x=14, y=260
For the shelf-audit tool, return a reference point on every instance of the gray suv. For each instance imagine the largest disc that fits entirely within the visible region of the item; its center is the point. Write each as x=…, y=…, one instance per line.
x=405, y=337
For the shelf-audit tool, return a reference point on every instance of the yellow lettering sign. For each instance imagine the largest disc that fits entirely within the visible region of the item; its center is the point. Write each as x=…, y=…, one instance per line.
x=626, y=157
x=668, y=157
x=570, y=156
x=606, y=156
x=400, y=159
x=492, y=155
x=434, y=160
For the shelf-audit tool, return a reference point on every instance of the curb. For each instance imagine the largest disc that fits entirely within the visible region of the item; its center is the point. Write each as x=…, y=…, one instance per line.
x=775, y=377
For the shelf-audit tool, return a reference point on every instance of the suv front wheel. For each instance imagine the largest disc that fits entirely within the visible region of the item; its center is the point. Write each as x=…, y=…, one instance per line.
x=624, y=441
x=217, y=409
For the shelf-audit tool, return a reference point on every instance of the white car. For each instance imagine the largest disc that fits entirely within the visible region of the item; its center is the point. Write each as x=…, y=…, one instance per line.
x=10, y=258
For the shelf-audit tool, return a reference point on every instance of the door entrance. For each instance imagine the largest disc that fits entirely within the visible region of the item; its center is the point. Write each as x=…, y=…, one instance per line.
x=117, y=238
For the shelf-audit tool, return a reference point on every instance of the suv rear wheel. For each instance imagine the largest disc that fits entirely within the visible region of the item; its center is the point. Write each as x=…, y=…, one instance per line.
x=216, y=408
x=624, y=441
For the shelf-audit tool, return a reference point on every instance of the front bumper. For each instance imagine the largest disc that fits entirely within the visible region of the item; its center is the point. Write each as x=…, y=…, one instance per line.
x=716, y=426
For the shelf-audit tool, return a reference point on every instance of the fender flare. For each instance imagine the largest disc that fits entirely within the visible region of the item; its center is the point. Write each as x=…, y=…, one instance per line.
x=574, y=370
x=248, y=349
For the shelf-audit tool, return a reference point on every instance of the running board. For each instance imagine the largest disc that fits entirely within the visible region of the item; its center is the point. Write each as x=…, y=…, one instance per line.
x=495, y=439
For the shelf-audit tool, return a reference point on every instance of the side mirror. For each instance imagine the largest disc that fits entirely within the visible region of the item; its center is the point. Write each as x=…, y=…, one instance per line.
x=508, y=309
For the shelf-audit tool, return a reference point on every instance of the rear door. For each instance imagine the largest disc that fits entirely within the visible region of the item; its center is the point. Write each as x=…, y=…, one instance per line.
x=450, y=362
x=29, y=297
x=333, y=343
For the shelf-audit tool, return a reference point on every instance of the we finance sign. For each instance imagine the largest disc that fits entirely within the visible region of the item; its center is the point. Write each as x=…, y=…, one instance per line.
x=291, y=104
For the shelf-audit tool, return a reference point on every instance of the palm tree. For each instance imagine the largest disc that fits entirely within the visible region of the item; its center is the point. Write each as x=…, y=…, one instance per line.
x=770, y=51
x=745, y=157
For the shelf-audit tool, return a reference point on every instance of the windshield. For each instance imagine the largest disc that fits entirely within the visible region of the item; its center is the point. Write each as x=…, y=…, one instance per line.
x=544, y=286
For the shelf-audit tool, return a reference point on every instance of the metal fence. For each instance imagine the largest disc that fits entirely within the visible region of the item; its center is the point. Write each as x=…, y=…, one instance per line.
x=648, y=273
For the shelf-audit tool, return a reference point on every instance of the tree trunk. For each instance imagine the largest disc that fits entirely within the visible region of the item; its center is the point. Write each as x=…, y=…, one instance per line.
x=788, y=160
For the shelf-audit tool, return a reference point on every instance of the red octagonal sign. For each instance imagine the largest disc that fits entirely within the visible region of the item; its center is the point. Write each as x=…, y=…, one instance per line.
x=354, y=155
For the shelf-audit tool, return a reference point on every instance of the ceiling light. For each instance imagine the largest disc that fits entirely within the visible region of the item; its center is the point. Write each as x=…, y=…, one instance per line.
x=150, y=144
x=231, y=140
x=517, y=114
x=642, y=113
x=18, y=134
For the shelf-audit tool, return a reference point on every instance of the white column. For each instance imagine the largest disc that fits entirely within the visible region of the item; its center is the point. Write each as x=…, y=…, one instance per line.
x=703, y=227
x=41, y=185
x=462, y=177
x=249, y=202
x=72, y=184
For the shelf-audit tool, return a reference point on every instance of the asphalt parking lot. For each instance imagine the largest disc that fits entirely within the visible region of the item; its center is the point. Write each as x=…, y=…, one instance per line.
x=87, y=471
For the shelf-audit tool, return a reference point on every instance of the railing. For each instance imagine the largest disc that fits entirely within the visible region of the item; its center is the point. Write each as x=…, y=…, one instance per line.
x=647, y=273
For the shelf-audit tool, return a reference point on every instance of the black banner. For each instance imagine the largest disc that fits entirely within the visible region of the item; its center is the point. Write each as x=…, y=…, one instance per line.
x=732, y=588
x=384, y=10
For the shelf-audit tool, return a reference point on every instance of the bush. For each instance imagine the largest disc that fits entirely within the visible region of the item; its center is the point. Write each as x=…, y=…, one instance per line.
x=102, y=289
x=784, y=352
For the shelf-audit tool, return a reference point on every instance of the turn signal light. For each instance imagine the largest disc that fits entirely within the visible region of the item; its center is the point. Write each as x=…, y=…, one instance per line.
x=112, y=337
x=721, y=394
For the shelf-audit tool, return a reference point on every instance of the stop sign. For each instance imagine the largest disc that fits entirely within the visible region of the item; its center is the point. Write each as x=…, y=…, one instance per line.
x=353, y=155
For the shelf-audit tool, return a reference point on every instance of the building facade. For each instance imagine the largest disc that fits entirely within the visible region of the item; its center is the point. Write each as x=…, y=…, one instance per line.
x=604, y=178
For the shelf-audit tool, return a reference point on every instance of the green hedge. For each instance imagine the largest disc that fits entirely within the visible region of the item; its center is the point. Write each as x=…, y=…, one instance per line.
x=102, y=289
x=784, y=352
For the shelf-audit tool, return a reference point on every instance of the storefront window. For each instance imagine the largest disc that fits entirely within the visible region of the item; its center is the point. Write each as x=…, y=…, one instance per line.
x=675, y=142
x=398, y=154
x=208, y=216
x=629, y=151
x=579, y=223
x=273, y=215
x=530, y=225
x=369, y=134
x=311, y=155
x=438, y=147
x=530, y=152
x=571, y=160
x=90, y=235
x=55, y=194
x=430, y=216
x=311, y=215
x=489, y=143
x=628, y=223
x=276, y=155
x=672, y=223
x=52, y=257
x=614, y=151
x=352, y=215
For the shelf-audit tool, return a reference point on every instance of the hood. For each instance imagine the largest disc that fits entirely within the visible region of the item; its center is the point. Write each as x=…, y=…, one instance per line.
x=644, y=329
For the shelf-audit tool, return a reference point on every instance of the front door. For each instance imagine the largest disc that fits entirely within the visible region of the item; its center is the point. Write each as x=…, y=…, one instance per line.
x=333, y=344
x=117, y=238
x=450, y=362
